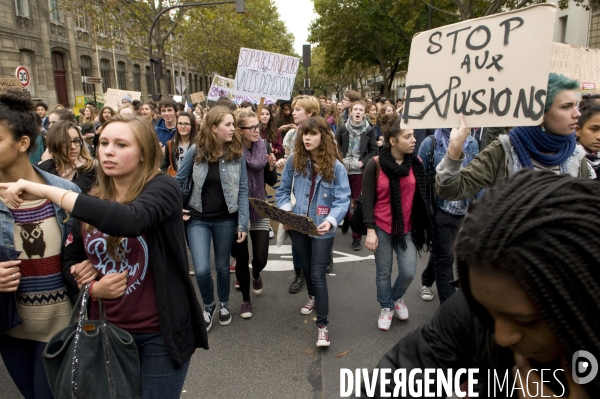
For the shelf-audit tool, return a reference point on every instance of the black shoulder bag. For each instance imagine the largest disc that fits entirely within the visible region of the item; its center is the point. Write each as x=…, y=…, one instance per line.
x=431, y=194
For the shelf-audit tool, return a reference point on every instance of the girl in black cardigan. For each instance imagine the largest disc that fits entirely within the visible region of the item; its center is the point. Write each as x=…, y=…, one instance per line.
x=132, y=233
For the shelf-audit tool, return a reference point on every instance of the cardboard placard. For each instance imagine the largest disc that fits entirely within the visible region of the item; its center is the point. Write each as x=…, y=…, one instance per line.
x=178, y=99
x=303, y=224
x=10, y=83
x=494, y=70
x=112, y=97
x=576, y=62
x=264, y=74
x=198, y=97
x=221, y=87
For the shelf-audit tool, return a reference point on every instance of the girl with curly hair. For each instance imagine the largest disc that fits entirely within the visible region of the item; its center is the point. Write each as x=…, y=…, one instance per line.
x=319, y=184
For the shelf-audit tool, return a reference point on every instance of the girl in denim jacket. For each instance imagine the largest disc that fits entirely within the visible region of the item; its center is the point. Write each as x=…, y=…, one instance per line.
x=219, y=208
x=320, y=186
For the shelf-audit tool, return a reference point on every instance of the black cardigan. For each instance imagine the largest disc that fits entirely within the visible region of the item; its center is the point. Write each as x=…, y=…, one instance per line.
x=157, y=213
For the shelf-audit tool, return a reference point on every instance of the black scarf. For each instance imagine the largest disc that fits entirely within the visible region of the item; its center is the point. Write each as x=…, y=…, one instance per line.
x=421, y=222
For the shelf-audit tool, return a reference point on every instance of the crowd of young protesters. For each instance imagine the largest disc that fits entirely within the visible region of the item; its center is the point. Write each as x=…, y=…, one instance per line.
x=166, y=179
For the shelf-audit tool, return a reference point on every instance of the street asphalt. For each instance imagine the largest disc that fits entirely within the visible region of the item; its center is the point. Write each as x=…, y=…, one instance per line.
x=273, y=354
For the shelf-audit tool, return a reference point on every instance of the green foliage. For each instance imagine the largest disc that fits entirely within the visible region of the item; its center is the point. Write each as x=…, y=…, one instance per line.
x=213, y=36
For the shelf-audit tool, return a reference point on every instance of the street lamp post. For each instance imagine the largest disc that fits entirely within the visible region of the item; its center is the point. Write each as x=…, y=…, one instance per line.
x=239, y=8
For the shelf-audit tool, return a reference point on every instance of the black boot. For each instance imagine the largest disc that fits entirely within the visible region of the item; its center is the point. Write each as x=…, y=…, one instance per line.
x=297, y=283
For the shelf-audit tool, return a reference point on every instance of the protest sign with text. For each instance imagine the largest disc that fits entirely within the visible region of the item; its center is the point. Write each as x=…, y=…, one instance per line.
x=113, y=97
x=494, y=70
x=264, y=74
x=303, y=224
x=576, y=62
x=221, y=87
x=10, y=84
x=198, y=97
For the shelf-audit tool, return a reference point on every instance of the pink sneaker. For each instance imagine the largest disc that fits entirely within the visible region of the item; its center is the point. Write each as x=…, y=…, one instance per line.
x=237, y=285
x=232, y=266
x=385, y=319
x=401, y=309
x=322, y=336
x=309, y=307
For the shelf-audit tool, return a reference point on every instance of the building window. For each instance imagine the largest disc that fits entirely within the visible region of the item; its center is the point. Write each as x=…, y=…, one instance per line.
x=122, y=75
x=55, y=13
x=22, y=8
x=148, y=77
x=80, y=20
x=196, y=83
x=85, y=63
x=169, y=82
x=190, y=84
x=105, y=74
x=563, y=29
x=137, y=78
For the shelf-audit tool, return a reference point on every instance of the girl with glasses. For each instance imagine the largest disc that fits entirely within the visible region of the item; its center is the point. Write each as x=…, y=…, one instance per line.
x=68, y=156
x=178, y=146
x=260, y=163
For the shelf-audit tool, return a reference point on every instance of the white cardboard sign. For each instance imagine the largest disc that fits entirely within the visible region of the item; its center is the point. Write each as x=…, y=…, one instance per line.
x=576, y=62
x=264, y=74
x=221, y=87
x=112, y=97
x=494, y=70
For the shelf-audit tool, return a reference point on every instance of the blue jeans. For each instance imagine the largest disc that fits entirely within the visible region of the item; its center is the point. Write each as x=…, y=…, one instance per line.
x=315, y=254
x=384, y=261
x=160, y=378
x=23, y=360
x=199, y=236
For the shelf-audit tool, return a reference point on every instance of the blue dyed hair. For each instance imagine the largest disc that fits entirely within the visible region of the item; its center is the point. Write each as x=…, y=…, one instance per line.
x=556, y=84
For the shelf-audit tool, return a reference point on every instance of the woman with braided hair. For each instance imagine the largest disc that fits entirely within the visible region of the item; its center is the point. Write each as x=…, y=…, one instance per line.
x=529, y=297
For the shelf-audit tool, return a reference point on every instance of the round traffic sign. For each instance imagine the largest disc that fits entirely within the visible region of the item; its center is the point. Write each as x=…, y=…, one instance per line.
x=23, y=75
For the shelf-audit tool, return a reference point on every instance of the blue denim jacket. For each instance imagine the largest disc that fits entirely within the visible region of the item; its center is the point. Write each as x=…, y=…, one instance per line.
x=234, y=180
x=453, y=207
x=7, y=221
x=331, y=199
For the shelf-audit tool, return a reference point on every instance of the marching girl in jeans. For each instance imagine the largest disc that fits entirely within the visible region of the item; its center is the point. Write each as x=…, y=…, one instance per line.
x=218, y=205
x=319, y=182
x=396, y=217
x=130, y=230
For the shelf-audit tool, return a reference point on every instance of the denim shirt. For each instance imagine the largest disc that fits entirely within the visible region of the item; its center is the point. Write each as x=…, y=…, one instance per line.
x=452, y=207
x=7, y=221
x=330, y=200
x=234, y=181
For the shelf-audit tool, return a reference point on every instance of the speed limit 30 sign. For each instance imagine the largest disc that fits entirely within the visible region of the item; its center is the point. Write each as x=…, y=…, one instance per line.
x=23, y=75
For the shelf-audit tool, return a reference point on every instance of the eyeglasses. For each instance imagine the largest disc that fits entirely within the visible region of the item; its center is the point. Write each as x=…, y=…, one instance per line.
x=77, y=142
x=185, y=124
x=252, y=128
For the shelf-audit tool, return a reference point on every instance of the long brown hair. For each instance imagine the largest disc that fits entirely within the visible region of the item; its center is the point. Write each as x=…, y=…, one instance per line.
x=59, y=143
x=325, y=162
x=207, y=147
x=332, y=111
x=152, y=159
x=193, y=129
x=271, y=129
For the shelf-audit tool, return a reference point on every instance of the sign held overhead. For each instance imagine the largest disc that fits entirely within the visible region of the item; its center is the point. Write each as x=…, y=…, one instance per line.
x=494, y=70
x=264, y=74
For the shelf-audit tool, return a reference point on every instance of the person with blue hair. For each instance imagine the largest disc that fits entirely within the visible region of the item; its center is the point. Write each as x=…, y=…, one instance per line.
x=549, y=146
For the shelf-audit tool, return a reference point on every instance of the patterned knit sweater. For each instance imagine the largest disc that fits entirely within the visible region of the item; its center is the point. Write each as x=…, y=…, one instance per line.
x=42, y=299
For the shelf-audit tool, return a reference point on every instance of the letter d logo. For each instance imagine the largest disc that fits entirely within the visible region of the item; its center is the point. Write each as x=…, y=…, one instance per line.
x=582, y=366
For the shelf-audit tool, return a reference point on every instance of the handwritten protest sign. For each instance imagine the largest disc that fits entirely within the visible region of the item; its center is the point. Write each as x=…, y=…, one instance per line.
x=221, y=87
x=198, y=97
x=264, y=74
x=112, y=97
x=576, y=62
x=494, y=70
x=10, y=83
x=303, y=224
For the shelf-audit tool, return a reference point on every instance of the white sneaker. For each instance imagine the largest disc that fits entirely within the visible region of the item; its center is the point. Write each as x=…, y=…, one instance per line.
x=401, y=309
x=323, y=336
x=271, y=232
x=385, y=319
x=426, y=293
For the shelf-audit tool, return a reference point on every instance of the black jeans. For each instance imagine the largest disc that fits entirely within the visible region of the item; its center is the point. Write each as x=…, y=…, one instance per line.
x=441, y=259
x=260, y=255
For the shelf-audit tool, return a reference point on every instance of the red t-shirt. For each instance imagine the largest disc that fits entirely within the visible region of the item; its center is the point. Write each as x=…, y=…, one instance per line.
x=383, y=206
x=136, y=311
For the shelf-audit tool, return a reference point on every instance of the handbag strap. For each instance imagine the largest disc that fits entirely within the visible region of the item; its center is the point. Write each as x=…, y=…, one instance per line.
x=170, y=149
x=431, y=160
x=82, y=303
